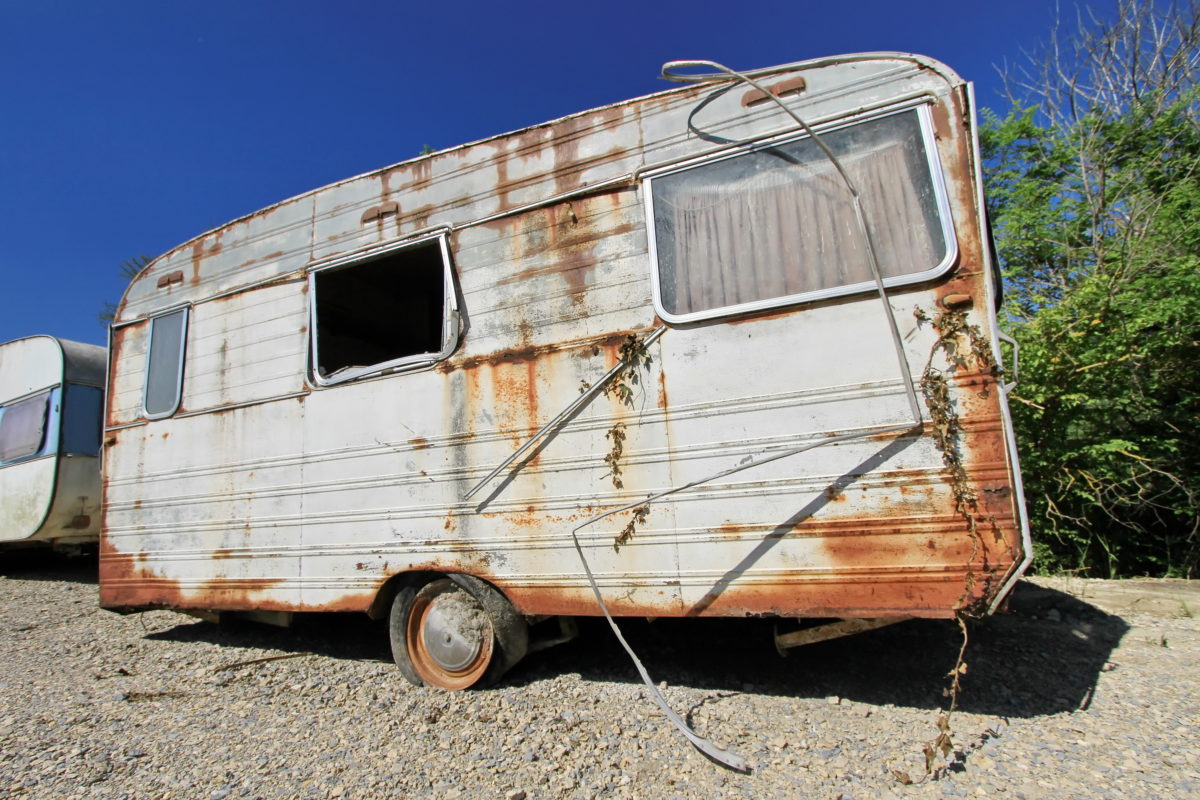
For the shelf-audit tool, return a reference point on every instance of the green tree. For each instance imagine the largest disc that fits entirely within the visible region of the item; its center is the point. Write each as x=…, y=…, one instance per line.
x=1094, y=192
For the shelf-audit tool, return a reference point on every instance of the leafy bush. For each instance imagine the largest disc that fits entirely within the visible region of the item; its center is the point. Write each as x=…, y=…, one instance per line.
x=1094, y=193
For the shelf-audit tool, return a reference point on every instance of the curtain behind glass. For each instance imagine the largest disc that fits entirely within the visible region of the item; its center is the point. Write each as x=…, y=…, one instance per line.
x=779, y=221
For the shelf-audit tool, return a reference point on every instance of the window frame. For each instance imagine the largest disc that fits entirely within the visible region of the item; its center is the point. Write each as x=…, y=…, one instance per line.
x=181, y=357
x=48, y=444
x=451, y=325
x=941, y=201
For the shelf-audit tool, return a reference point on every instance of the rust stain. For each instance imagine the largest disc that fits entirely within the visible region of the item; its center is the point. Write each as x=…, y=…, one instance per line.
x=579, y=601
x=199, y=253
x=419, y=443
x=789, y=86
x=126, y=584
x=380, y=212
x=170, y=279
x=502, y=187
x=779, y=313
x=421, y=174
x=116, y=351
x=355, y=601
x=417, y=218
x=268, y=257
x=524, y=334
x=566, y=154
x=797, y=595
x=520, y=355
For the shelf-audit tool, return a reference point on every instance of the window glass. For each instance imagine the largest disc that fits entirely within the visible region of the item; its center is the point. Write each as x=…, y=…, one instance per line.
x=777, y=224
x=376, y=314
x=82, y=417
x=164, y=363
x=23, y=427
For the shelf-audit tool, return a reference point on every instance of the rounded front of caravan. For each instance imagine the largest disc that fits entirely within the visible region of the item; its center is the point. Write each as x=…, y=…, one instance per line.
x=450, y=636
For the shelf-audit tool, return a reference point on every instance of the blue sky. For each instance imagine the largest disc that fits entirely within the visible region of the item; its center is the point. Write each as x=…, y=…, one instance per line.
x=129, y=126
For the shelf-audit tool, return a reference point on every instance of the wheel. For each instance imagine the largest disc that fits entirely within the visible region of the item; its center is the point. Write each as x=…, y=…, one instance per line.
x=455, y=632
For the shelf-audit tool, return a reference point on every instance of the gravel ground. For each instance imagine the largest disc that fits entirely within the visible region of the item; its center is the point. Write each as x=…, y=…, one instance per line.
x=1063, y=698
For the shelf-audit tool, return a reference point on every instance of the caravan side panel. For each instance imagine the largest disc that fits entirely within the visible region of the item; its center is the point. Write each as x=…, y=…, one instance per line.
x=276, y=486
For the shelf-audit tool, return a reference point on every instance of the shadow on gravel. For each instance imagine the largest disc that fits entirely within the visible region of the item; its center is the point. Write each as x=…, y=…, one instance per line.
x=343, y=636
x=47, y=565
x=1042, y=657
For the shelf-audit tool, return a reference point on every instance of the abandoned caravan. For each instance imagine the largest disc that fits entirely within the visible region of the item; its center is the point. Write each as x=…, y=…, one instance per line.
x=51, y=407
x=725, y=350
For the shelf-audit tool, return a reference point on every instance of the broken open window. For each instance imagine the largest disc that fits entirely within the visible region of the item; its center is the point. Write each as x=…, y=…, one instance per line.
x=386, y=312
x=775, y=224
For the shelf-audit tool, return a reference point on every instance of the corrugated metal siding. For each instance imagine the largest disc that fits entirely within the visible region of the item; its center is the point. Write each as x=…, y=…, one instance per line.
x=313, y=501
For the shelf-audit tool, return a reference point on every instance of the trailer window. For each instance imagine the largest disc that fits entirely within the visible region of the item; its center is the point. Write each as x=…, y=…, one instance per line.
x=164, y=364
x=775, y=225
x=82, y=419
x=23, y=427
x=390, y=311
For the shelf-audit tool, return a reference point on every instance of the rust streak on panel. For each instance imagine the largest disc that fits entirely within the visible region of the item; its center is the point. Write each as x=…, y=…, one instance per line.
x=578, y=601
x=520, y=355
x=849, y=596
x=268, y=257
x=199, y=253
x=566, y=154
x=116, y=347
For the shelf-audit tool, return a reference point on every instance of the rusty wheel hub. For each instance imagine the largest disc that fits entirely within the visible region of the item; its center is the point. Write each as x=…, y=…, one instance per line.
x=450, y=637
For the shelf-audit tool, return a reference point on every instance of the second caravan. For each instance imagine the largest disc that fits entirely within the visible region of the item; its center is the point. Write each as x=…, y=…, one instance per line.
x=51, y=405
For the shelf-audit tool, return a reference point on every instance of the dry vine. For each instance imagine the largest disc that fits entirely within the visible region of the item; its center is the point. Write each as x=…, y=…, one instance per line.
x=952, y=328
x=616, y=434
x=639, y=516
x=634, y=358
x=962, y=343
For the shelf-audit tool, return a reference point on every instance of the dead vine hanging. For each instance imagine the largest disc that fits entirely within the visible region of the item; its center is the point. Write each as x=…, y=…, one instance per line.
x=962, y=343
x=634, y=357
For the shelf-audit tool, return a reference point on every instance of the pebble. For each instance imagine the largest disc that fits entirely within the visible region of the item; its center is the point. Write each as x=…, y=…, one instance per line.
x=153, y=705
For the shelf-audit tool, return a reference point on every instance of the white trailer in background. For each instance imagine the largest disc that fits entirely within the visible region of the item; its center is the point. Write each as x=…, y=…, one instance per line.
x=51, y=408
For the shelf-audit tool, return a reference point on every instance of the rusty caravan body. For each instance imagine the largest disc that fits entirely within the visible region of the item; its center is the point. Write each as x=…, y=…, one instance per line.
x=51, y=408
x=310, y=403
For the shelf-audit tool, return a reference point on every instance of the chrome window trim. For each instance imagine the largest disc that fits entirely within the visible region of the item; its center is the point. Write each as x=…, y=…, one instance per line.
x=54, y=394
x=183, y=335
x=941, y=199
x=450, y=316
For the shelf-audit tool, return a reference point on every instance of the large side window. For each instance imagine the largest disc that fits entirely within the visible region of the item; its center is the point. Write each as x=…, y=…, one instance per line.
x=164, y=363
x=390, y=311
x=775, y=225
x=23, y=427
